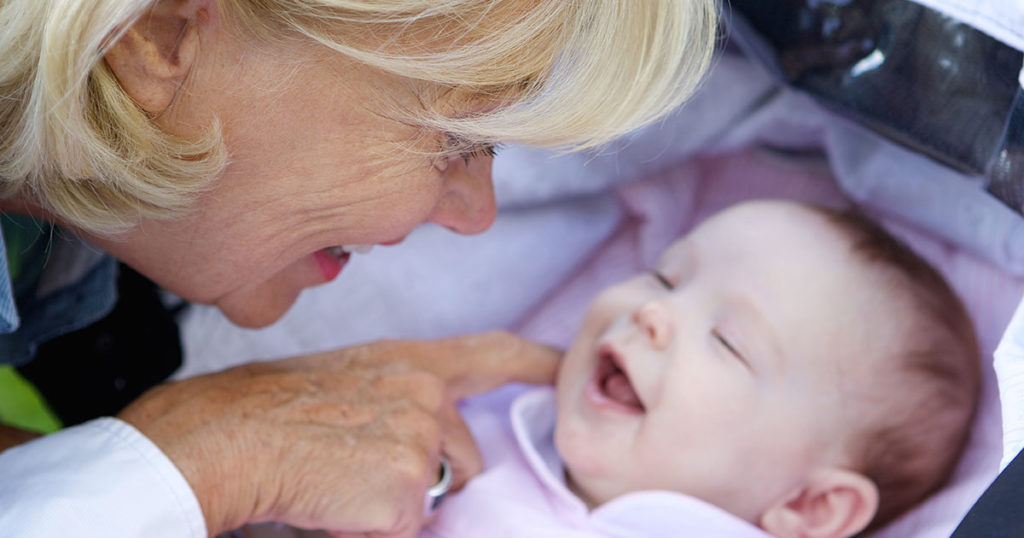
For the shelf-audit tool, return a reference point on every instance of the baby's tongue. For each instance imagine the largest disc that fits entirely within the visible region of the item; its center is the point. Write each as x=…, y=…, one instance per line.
x=618, y=388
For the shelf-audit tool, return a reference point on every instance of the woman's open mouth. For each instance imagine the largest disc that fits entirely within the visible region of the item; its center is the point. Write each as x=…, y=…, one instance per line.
x=332, y=260
x=611, y=384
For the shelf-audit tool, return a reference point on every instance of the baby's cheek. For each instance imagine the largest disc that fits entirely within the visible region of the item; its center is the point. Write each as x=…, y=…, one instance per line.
x=612, y=305
x=599, y=315
x=578, y=450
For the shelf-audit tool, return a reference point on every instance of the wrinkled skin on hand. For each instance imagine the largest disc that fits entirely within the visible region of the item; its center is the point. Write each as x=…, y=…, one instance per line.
x=346, y=441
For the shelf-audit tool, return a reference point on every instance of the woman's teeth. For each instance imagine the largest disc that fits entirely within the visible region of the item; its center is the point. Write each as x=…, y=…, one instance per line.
x=341, y=250
x=359, y=249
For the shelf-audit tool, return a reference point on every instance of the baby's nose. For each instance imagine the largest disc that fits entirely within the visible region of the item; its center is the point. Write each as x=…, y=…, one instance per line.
x=654, y=319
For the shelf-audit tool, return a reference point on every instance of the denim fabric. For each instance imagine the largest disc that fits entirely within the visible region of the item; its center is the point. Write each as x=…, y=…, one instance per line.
x=9, y=320
x=74, y=291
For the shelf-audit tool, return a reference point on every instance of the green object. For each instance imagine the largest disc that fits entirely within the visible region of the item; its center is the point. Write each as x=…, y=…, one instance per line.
x=21, y=405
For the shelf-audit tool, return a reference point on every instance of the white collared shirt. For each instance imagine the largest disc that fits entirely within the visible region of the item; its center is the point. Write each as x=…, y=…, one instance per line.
x=99, y=479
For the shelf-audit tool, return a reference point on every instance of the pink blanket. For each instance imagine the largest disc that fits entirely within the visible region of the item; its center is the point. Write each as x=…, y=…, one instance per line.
x=660, y=209
x=537, y=269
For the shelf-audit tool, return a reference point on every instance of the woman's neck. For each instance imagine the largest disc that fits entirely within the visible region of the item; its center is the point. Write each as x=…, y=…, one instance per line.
x=17, y=206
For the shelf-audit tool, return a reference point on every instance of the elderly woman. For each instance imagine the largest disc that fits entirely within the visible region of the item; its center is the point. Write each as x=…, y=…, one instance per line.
x=233, y=151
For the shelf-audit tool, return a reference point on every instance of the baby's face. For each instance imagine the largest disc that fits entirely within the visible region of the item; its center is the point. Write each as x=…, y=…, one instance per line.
x=725, y=381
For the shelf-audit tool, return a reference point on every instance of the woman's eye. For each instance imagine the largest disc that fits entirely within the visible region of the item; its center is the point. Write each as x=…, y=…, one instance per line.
x=479, y=150
x=468, y=150
x=663, y=280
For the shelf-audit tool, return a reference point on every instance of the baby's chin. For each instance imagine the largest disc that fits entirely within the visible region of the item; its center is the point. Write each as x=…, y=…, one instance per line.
x=582, y=493
x=583, y=470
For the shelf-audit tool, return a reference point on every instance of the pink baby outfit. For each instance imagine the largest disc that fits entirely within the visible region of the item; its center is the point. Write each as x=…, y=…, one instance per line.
x=522, y=492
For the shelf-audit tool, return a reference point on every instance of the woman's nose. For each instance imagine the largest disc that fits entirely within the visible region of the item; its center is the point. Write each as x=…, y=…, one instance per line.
x=655, y=320
x=467, y=205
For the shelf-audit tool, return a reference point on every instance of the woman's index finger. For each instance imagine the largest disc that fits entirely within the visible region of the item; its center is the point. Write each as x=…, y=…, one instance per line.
x=489, y=360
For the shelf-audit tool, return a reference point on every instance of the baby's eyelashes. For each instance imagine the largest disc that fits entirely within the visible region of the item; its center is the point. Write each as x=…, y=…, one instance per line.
x=729, y=347
x=662, y=279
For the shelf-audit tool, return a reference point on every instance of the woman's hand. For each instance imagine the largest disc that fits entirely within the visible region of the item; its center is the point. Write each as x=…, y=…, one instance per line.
x=10, y=436
x=347, y=441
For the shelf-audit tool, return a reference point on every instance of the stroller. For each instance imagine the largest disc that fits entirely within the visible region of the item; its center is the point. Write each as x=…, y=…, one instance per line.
x=913, y=110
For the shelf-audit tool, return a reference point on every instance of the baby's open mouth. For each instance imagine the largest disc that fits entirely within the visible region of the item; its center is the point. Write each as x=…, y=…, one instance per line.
x=614, y=383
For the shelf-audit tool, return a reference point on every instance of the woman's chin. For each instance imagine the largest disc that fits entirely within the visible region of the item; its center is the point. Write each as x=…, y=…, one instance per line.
x=259, y=305
x=255, y=309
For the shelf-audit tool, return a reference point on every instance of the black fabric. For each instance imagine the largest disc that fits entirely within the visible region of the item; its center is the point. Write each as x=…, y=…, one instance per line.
x=100, y=369
x=912, y=74
x=999, y=513
x=1006, y=171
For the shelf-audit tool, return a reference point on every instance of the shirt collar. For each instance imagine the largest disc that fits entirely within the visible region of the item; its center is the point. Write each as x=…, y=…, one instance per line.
x=533, y=424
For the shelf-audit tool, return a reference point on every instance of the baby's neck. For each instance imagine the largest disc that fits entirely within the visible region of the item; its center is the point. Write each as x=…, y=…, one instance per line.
x=579, y=492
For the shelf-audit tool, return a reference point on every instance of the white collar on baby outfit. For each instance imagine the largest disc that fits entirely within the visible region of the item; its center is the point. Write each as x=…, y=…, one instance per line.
x=533, y=425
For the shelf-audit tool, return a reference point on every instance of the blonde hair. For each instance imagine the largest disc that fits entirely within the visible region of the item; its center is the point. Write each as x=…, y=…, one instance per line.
x=567, y=73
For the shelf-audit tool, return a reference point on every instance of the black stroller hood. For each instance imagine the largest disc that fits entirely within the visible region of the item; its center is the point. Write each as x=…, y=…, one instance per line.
x=920, y=78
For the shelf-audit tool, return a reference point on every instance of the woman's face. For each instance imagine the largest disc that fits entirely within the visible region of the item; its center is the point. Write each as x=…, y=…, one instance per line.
x=314, y=162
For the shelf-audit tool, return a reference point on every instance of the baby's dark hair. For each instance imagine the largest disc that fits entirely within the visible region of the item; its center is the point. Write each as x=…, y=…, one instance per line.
x=930, y=379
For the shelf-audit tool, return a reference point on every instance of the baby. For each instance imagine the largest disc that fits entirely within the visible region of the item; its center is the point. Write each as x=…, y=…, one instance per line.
x=784, y=370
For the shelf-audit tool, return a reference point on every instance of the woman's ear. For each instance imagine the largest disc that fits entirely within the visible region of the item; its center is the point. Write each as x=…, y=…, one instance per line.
x=154, y=56
x=832, y=503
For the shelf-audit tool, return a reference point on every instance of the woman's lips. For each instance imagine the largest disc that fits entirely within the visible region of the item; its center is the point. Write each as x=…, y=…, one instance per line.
x=330, y=262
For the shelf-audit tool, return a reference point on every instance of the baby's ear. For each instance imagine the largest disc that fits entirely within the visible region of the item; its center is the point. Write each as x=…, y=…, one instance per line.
x=832, y=503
